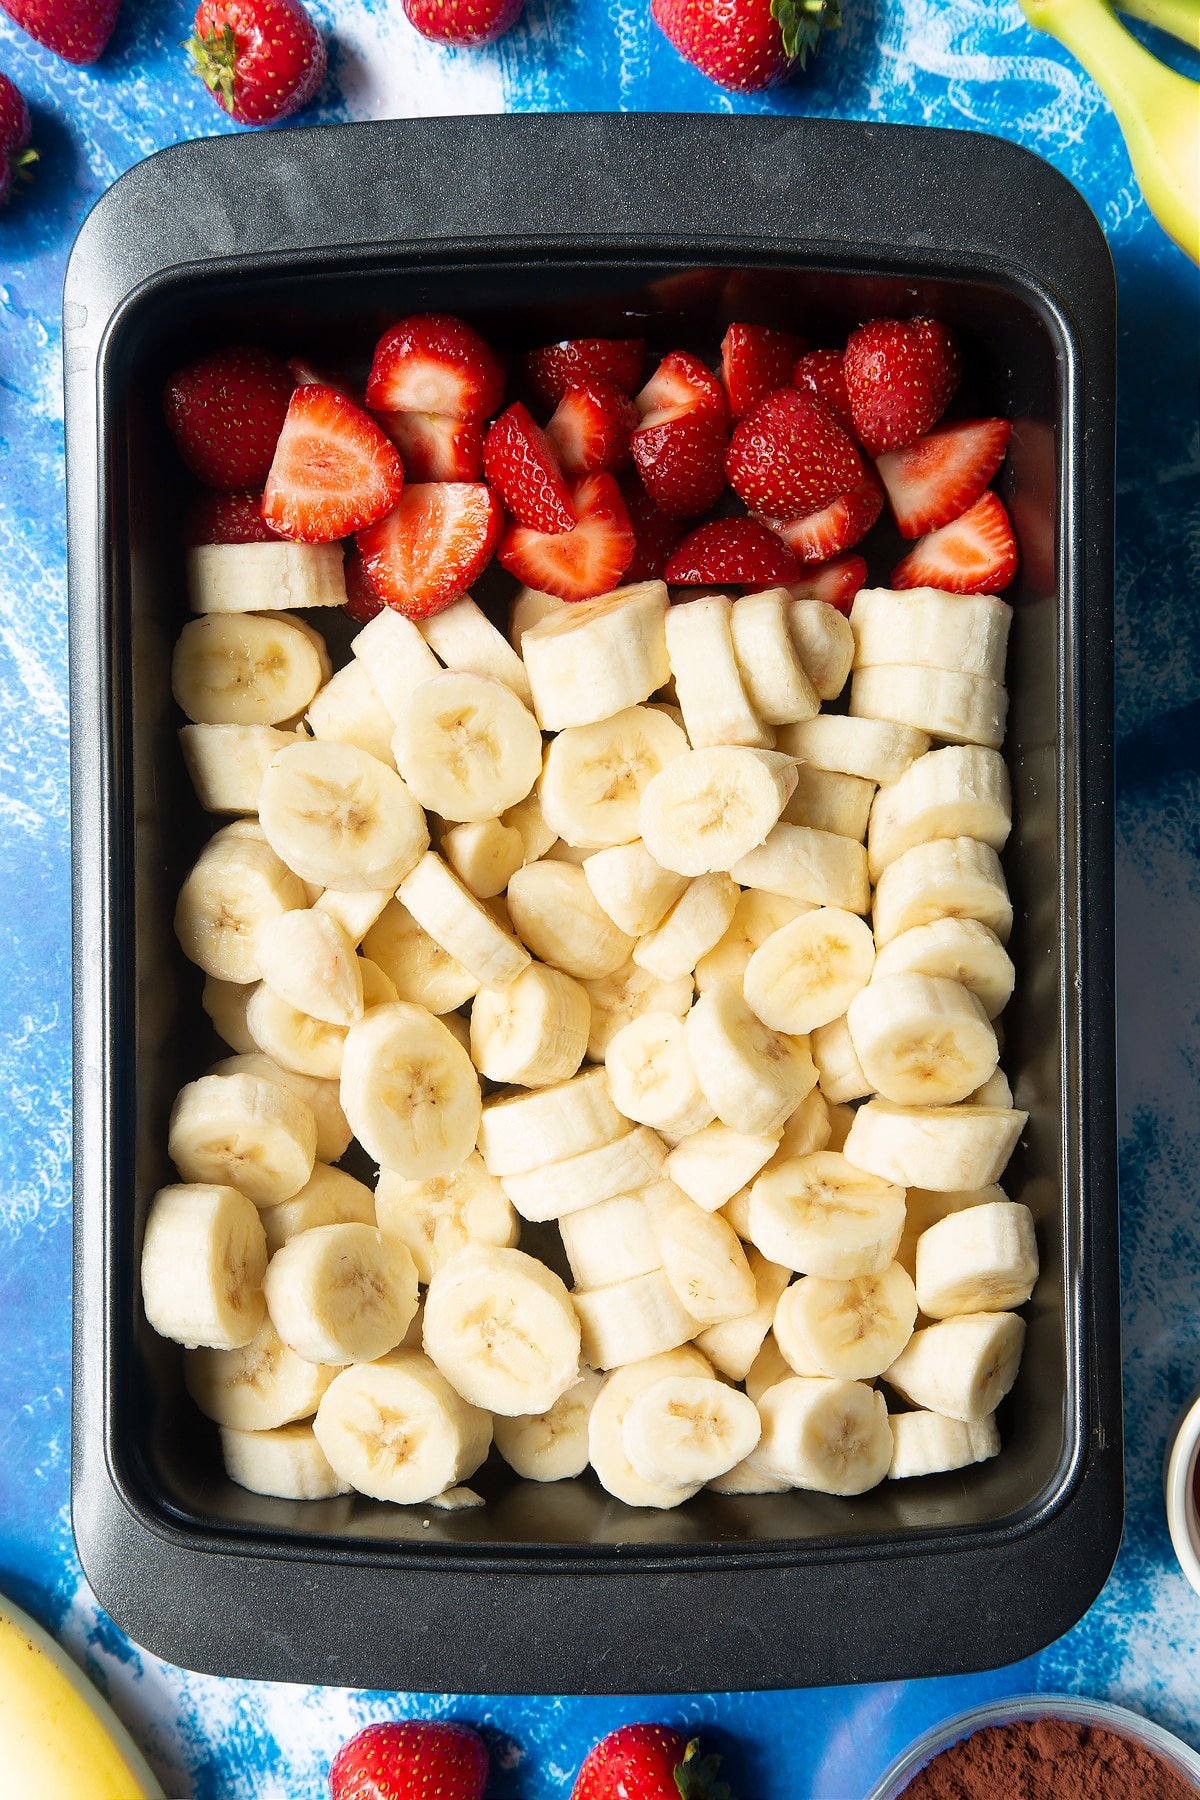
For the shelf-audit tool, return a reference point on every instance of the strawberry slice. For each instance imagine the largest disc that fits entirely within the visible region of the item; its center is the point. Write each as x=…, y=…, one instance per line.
x=431, y=548
x=435, y=447
x=591, y=428
x=820, y=535
x=900, y=375
x=227, y=519
x=936, y=479
x=556, y=367
x=225, y=413
x=736, y=550
x=755, y=361
x=682, y=463
x=307, y=374
x=578, y=564
x=681, y=384
x=975, y=554
x=655, y=535
x=519, y=461
x=788, y=457
x=362, y=600
x=823, y=374
x=435, y=363
x=834, y=582
x=333, y=472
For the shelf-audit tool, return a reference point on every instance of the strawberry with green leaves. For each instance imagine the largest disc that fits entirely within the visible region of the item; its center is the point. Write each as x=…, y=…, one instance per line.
x=16, y=129
x=648, y=1762
x=745, y=45
x=259, y=59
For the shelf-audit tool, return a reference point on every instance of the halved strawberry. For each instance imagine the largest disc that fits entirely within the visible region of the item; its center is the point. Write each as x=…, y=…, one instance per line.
x=755, y=360
x=307, y=374
x=900, y=375
x=519, y=461
x=333, y=471
x=227, y=519
x=681, y=384
x=682, y=463
x=823, y=374
x=556, y=367
x=942, y=474
x=788, y=457
x=591, y=428
x=431, y=548
x=362, y=600
x=655, y=535
x=834, y=582
x=435, y=447
x=819, y=535
x=736, y=550
x=578, y=564
x=975, y=554
x=225, y=413
x=435, y=363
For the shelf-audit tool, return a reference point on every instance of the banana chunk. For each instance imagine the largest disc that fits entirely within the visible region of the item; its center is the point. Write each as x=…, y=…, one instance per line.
x=708, y=683
x=347, y=710
x=959, y=950
x=551, y=1445
x=620, y=1167
x=227, y=762
x=711, y=807
x=773, y=676
x=591, y=660
x=418, y=967
x=309, y=961
x=940, y=1147
x=631, y=1320
x=695, y=924
x=689, y=1429
x=962, y=1367
x=355, y=913
x=236, y=888
x=529, y=606
x=241, y=1131
x=533, y=1032
x=606, y=1449
x=626, y=994
x=962, y=709
x=485, y=855
x=713, y=1164
x=635, y=891
x=651, y=1078
x=927, y=1443
x=465, y=639
x=340, y=817
x=437, y=1217
x=333, y=1133
x=610, y=1241
x=814, y=866
x=258, y=1387
x=807, y=1130
x=521, y=1132
x=921, y=1040
x=824, y=643
x=869, y=748
x=449, y=912
x=341, y=1294
x=244, y=669
x=555, y=913
x=830, y=1437
x=961, y=791
x=767, y=1370
x=851, y=1330
x=825, y=800
x=595, y=775
x=396, y=658
x=329, y=1197
x=820, y=1215
x=501, y=1328
x=839, y=1071
x=752, y=1077
x=242, y=578
x=466, y=746
x=981, y=1259
x=964, y=633
x=410, y=1091
x=947, y=878
x=924, y=1208
x=807, y=973
x=203, y=1258
x=287, y=1463
x=299, y=1044
x=757, y=915
x=396, y=1430
x=226, y=1002
x=528, y=820
x=701, y=1257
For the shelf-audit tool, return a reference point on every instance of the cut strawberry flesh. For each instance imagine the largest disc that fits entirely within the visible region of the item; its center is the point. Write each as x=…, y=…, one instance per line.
x=933, y=481
x=306, y=374
x=435, y=363
x=578, y=564
x=681, y=384
x=333, y=471
x=227, y=519
x=823, y=374
x=755, y=361
x=591, y=429
x=975, y=554
x=435, y=447
x=519, y=461
x=819, y=535
x=733, y=550
x=900, y=376
x=788, y=457
x=556, y=367
x=433, y=545
x=836, y=583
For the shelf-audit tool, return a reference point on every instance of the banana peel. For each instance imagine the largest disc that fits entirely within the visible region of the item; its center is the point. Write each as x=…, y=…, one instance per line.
x=1157, y=108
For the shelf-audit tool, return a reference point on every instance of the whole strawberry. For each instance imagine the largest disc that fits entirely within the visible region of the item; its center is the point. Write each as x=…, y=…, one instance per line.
x=225, y=413
x=259, y=59
x=76, y=30
x=648, y=1762
x=15, y=131
x=900, y=376
x=746, y=44
x=410, y=1760
x=466, y=22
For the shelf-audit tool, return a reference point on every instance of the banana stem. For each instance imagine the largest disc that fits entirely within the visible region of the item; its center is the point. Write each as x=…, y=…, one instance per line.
x=1180, y=17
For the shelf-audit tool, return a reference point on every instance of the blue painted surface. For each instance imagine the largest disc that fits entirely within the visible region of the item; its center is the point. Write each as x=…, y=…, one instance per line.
x=967, y=63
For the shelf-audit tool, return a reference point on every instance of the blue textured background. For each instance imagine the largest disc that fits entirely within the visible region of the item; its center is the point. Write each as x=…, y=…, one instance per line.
x=968, y=63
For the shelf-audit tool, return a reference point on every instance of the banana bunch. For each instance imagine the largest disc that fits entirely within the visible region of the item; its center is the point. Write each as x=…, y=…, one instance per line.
x=606, y=928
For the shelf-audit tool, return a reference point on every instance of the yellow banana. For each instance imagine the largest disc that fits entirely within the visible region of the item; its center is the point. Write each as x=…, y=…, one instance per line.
x=1180, y=17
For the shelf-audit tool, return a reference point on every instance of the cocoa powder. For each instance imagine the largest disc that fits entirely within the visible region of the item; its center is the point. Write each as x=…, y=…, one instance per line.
x=1047, y=1759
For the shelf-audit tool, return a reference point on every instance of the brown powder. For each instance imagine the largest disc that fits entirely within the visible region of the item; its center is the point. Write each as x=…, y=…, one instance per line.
x=1048, y=1759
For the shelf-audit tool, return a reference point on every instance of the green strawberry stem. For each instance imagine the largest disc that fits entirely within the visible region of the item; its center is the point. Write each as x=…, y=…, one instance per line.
x=696, y=1776
x=1180, y=17
x=802, y=24
x=215, y=58
x=22, y=164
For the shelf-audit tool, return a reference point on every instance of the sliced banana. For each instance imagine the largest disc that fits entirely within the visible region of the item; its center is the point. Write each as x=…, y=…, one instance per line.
x=710, y=808
x=851, y=1330
x=310, y=961
x=466, y=746
x=595, y=775
x=712, y=1165
x=443, y=1214
x=554, y=912
x=287, y=1462
x=501, y=1328
x=203, y=1258
x=689, y=1429
x=708, y=683
x=773, y=675
x=484, y=854
x=831, y=1437
x=959, y=950
x=340, y=1294
x=767, y=1370
x=551, y=1445
x=347, y=710
x=241, y=1131
x=967, y=633
x=757, y=915
x=940, y=1147
x=465, y=639
x=258, y=1387
x=815, y=866
x=396, y=658
x=982, y=1259
x=953, y=878
x=869, y=748
x=355, y=913
x=702, y=1258
x=417, y=965
x=611, y=1241
x=733, y=1345
x=533, y=1032
x=527, y=608
x=237, y=887
x=396, y=1430
x=226, y=1002
x=634, y=890
x=620, y=1167
x=744, y=1478
x=651, y=1078
x=240, y=578
x=626, y=994
x=695, y=924
x=328, y=1197
x=520, y=1132
x=824, y=643
x=921, y=1040
x=528, y=820
x=839, y=1071
x=589, y=661
x=752, y=1077
x=244, y=669
x=606, y=1450
x=450, y=914
x=631, y=1320
x=226, y=762
x=924, y=1208
x=340, y=817
x=820, y=1215
x=333, y=1132
x=826, y=800
x=809, y=971
x=298, y=1043
x=995, y=1091
x=807, y=1130
x=962, y=1367
x=961, y=791
x=410, y=1091
x=961, y=709
x=927, y=1443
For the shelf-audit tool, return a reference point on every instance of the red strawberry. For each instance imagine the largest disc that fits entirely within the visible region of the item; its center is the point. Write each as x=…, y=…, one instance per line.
x=433, y=362
x=333, y=471
x=259, y=59
x=520, y=463
x=820, y=535
x=682, y=463
x=410, y=1760
x=556, y=367
x=304, y=374
x=583, y=562
x=975, y=554
x=754, y=362
x=681, y=384
x=900, y=374
x=76, y=30
x=823, y=373
x=362, y=599
x=788, y=457
x=648, y=1762
x=431, y=548
x=225, y=413
x=434, y=447
x=834, y=582
x=737, y=550
x=465, y=22
x=655, y=535
x=745, y=44
x=591, y=428
x=15, y=130
x=940, y=476
x=227, y=519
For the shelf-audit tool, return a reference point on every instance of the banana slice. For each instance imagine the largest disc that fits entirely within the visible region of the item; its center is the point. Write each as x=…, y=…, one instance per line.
x=710, y=808
x=713, y=1164
x=410, y=1091
x=756, y=916
x=820, y=1215
x=595, y=775
x=634, y=890
x=606, y=1449
x=396, y=658
x=995, y=1091
x=528, y=607
x=244, y=669
x=241, y=578
x=824, y=643
x=258, y=1387
x=589, y=661
x=962, y=1367
x=309, y=961
x=965, y=633
x=533, y=1032
x=631, y=1320
x=298, y=1043
x=702, y=1258
x=839, y=1071
x=226, y=1002
x=287, y=1462
x=767, y=1370
x=921, y=1040
x=236, y=888
x=465, y=639
x=328, y=1197
x=555, y=913
x=851, y=1330
x=340, y=1294
x=551, y=1445
x=568, y=853
x=945, y=1148
x=417, y=965
x=807, y=1130
x=396, y=1430
x=773, y=676
x=626, y=994
x=203, y=1257
x=466, y=746
x=355, y=913
x=520, y=1132
x=651, y=1079
x=484, y=854
x=340, y=817
x=620, y=1167
x=744, y=1478
x=241, y=1131
x=612, y=1241
x=443, y=1214
x=815, y=866
x=688, y=1429
x=347, y=710
x=227, y=762
x=962, y=709
x=982, y=1259
x=752, y=1077
x=734, y=1344
x=830, y=1437
x=528, y=820
x=927, y=1443
x=954, y=878
x=869, y=748
x=695, y=924
x=461, y=924
x=962, y=791
x=708, y=683
x=841, y=1118
x=924, y=1208
x=333, y=1132
x=809, y=971
x=825, y=800
x=501, y=1328
x=959, y=950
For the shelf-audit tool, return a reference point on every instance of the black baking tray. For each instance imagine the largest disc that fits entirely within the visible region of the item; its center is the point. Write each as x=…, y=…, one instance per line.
x=669, y=226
